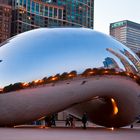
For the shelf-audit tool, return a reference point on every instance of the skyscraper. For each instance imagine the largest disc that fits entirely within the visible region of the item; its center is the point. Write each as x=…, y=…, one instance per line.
x=5, y=20
x=128, y=33
x=31, y=14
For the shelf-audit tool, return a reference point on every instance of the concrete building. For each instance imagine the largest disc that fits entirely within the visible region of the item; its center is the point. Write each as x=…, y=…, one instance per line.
x=128, y=33
x=5, y=20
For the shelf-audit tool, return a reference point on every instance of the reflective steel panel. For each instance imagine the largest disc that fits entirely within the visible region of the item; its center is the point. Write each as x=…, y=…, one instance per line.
x=46, y=52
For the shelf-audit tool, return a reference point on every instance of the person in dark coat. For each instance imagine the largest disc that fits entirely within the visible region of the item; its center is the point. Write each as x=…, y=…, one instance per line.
x=67, y=122
x=47, y=121
x=84, y=120
x=71, y=121
x=53, y=120
x=131, y=126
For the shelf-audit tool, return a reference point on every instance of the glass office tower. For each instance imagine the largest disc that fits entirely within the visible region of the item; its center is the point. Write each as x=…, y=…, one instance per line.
x=128, y=33
x=5, y=20
x=31, y=14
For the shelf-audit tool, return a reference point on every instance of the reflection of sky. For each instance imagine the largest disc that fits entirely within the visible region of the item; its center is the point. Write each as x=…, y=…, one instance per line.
x=43, y=52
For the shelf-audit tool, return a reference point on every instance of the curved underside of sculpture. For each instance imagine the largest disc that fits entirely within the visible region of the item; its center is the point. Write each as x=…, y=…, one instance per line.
x=94, y=95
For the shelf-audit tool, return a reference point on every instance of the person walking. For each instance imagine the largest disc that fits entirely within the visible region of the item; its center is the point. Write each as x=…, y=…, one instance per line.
x=67, y=122
x=71, y=121
x=53, y=120
x=84, y=120
x=131, y=126
x=47, y=121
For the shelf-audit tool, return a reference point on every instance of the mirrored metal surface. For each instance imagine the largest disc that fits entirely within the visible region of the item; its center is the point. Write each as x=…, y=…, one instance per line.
x=46, y=52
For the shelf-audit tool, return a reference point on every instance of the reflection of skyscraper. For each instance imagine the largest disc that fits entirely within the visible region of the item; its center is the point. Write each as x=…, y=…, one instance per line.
x=127, y=66
x=110, y=63
x=133, y=59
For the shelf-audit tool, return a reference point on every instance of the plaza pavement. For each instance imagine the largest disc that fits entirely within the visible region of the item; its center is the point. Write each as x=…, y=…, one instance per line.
x=68, y=133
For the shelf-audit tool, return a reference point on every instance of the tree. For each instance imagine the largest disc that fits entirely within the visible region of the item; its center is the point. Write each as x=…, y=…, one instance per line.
x=72, y=74
x=64, y=76
x=87, y=72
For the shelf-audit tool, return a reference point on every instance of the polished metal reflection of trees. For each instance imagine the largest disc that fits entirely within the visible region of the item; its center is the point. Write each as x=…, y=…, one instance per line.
x=89, y=72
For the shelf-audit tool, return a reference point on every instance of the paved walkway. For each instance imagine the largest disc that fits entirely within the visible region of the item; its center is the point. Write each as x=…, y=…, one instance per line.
x=61, y=133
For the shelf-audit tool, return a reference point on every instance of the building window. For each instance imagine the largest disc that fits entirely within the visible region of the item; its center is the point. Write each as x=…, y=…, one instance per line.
x=60, y=14
x=50, y=11
x=46, y=11
x=33, y=6
x=37, y=8
x=55, y=12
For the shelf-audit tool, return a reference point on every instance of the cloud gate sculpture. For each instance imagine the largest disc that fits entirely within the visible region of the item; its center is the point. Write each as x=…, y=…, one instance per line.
x=79, y=70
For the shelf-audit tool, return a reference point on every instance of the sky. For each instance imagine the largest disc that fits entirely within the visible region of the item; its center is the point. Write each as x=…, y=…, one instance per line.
x=109, y=11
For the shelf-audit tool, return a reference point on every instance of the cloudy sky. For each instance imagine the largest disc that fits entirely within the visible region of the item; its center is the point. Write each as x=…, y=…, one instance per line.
x=108, y=11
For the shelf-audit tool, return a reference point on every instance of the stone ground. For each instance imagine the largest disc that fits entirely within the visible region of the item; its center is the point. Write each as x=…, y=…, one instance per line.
x=68, y=133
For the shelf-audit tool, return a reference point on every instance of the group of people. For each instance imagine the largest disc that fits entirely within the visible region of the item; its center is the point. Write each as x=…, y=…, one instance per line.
x=70, y=121
x=50, y=120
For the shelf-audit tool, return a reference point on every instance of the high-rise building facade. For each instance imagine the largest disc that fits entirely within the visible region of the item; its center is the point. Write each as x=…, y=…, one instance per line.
x=128, y=33
x=31, y=14
x=5, y=20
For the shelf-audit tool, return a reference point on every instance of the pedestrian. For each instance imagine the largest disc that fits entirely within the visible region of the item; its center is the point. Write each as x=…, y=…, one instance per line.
x=53, y=120
x=67, y=122
x=71, y=121
x=74, y=120
x=84, y=120
x=47, y=121
x=131, y=126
